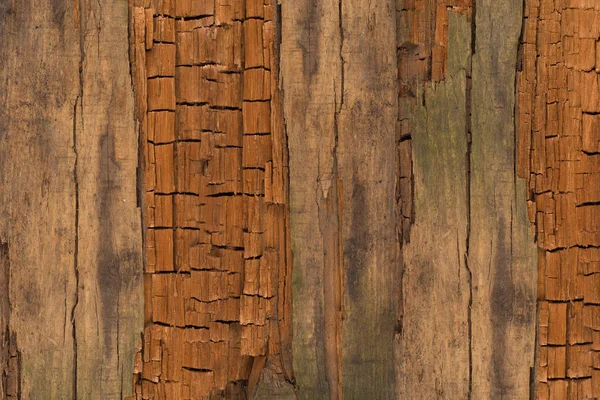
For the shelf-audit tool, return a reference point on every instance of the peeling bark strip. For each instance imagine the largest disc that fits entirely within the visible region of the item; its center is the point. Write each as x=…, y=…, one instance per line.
x=340, y=108
x=559, y=154
x=68, y=153
x=214, y=191
x=466, y=322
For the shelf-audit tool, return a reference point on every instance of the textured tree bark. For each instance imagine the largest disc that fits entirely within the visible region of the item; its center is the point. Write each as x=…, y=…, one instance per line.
x=161, y=161
x=215, y=178
x=559, y=131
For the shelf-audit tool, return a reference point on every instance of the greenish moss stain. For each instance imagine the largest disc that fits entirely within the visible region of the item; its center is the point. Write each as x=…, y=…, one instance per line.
x=501, y=235
x=310, y=380
x=439, y=128
x=435, y=283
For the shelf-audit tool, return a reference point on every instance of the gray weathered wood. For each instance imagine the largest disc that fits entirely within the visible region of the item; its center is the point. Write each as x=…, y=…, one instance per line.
x=340, y=108
x=502, y=253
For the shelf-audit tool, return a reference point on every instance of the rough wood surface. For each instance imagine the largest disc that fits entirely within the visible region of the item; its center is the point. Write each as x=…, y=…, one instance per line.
x=70, y=242
x=214, y=198
x=502, y=254
x=338, y=74
x=414, y=272
x=434, y=340
x=559, y=131
x=468, y=282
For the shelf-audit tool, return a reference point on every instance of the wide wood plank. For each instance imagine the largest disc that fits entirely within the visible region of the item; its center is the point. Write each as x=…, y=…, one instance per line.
x=70, y=223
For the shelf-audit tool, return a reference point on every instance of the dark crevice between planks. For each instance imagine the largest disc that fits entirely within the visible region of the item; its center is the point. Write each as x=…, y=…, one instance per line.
x=469, y=141
x=80, y=22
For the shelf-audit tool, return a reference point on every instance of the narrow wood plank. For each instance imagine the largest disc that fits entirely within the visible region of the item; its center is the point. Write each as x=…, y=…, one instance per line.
x=312, y=82
x=37, y=202
x=340, y=112
x=365, y=136
x=433, y=344
x=109, y=311
x=502, y=255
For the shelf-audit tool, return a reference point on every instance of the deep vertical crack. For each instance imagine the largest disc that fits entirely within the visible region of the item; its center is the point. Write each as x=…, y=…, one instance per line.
x=76, y=247
x=342, y=66
x=78, y=104
x=287, y=372
x=469, y=133
x=330, y=221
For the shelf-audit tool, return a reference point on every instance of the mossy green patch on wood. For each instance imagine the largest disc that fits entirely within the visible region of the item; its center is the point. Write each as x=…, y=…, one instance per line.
x=433, y=349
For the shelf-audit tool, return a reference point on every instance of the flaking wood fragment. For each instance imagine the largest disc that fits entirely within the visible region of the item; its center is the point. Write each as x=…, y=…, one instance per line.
x=10, y=356
x=214, y=162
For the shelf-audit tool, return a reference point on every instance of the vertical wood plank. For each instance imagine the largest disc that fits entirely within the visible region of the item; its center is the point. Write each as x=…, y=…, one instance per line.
x=340, y=107
x=502, y=255
x=311, y=82
x=69, y=219
x=433, y=348
x=367, y=109
x=109, y=311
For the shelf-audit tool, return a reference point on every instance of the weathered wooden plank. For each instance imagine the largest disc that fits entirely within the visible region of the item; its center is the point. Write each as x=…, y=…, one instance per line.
x=311, y=81
x=488, y=289
x=68, y=157
x=367, y=110
x=109, y=311
x=433, y=347
x=502, y=255
x=36, y=164
x=340, y=111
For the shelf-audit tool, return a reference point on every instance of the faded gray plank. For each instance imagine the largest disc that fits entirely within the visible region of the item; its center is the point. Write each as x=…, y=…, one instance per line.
x=433, y=349
x=340, y=107
x=502, y=253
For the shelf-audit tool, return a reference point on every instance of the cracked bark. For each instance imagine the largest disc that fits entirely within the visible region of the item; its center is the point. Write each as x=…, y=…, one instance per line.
x=418, y=132
x=214, y=196
x=558, y=107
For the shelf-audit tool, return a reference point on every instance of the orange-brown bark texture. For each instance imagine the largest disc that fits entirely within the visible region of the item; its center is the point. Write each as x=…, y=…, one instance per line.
x=559, y=134
x=431, y=165
x=215, y=211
